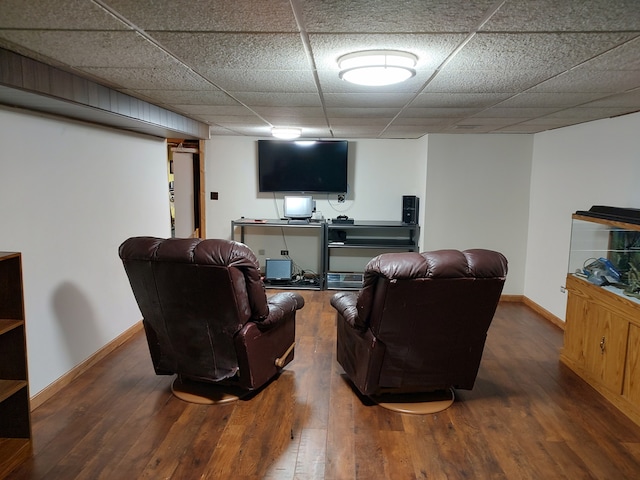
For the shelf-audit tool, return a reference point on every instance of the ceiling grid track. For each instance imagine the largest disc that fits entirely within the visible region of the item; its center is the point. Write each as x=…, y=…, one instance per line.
x=492, y=11
x=158, y=45
x=304, y=35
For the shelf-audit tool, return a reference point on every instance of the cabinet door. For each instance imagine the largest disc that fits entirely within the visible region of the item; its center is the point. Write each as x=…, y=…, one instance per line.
x=575, y=331
x=606, y=347
x=632, y=377
x=595, y=336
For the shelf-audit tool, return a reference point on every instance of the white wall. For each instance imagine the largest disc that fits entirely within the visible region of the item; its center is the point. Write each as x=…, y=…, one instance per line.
x=478, y=197
x=70, y=194
x=574, y=168
x=473, y=189
x=380, y=173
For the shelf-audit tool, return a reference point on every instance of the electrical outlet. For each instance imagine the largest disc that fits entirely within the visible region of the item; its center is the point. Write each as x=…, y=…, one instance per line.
x=563, y=289
x=261, y=252
x=284, y=252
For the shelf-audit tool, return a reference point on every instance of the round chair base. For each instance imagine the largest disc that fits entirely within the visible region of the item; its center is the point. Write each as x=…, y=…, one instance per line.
x=417, y=403
x=205, y=393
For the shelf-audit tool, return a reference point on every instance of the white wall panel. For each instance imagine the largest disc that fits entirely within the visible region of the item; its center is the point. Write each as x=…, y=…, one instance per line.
x=478, y=197
x=70, y=194
x=574, y=168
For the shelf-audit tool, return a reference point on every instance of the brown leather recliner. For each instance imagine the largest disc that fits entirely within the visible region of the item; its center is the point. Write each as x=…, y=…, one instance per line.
x=205, y=312
x=420, y=321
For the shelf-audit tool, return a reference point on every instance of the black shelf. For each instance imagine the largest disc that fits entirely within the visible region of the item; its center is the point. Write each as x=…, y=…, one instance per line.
x=373, y=243
x=366, y=239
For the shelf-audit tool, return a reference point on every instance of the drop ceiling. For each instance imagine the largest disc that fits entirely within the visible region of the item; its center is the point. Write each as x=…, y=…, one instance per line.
x=243, y=66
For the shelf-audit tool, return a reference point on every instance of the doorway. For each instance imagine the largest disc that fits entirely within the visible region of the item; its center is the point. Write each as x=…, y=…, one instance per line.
x=186, y=188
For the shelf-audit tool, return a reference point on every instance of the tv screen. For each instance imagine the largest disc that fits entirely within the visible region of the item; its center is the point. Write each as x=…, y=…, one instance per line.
x=302, y=166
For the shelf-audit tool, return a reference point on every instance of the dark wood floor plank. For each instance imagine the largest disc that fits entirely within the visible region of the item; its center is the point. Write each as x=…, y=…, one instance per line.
x=312, y=453
x=340, y=438
x=528, y=417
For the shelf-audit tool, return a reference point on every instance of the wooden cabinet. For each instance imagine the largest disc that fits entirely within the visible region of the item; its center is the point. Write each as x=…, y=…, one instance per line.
x=602, y=332
x=15, y=422
x=631, y=388
x=596, y=335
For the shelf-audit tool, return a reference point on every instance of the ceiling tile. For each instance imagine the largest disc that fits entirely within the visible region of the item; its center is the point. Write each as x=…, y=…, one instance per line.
x=518, y=128
x=354, y=131
x=276, y=99
x=291, y=112
x=92, y=49
x=361, y=112
x=186, y=97
x=625, y=100
x=56, y=14
x=529, y=51
x=408, y=131
x=422, y=122
x=234, y=120
x=400, y=16
x=549, y=99
x=231, y=110
x=494, y=122
x=506, y=113
x=458, y=100
x=493, y=81
x=245, y=51
x=589, y=113
x=359, y=99
x=261, y=81
x=583, y=80
x=150, y=78
x=623, y=57
x=340, y=121
x=208, y=15
x=438, y=112
x=566, y=15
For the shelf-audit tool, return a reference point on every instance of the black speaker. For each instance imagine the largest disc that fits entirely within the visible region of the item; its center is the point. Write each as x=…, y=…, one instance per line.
x=410, y=210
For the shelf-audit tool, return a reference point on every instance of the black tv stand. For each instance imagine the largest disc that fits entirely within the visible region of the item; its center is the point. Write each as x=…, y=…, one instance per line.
x=350, y=245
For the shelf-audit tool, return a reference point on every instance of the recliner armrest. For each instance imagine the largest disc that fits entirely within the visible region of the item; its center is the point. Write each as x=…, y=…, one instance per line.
x=346, y=305
x=280, y=306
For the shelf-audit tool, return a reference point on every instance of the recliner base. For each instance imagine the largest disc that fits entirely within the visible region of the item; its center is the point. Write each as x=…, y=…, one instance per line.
x=417, y=403
x=205, y=393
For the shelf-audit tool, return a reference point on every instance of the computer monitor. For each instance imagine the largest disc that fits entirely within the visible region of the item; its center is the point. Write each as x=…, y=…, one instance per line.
x=298, y=207
x=277, y=270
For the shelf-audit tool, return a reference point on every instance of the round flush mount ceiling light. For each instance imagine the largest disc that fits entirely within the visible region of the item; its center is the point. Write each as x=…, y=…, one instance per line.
x=286, y=133
x=377, y=67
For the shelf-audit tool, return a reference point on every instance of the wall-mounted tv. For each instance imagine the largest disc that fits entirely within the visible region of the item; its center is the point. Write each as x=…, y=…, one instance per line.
x=302, y=166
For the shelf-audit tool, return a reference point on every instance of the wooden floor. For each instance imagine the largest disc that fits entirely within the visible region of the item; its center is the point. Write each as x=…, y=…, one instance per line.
x=528, y=417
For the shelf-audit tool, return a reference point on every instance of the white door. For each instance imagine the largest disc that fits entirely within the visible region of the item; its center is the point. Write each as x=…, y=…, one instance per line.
x=183, y=199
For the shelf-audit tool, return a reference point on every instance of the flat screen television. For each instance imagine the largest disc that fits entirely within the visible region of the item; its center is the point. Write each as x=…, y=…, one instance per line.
x=302, y=166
